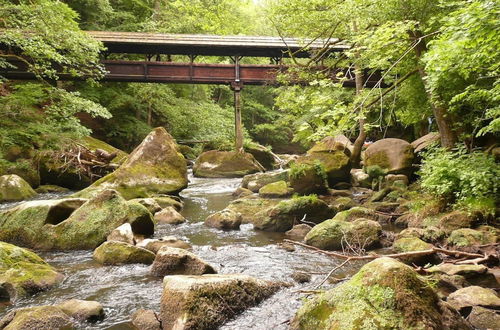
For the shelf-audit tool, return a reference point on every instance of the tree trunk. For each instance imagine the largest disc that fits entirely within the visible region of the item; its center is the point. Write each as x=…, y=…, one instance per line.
x=150, y=115
x=443, y=118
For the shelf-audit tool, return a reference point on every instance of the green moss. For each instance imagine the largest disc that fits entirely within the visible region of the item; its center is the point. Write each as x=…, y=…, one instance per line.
x=307, y=178
x=249, y=207
x=355, y=213
x=93, y=144
x=117, y=253
x=14, y=188
x=468, y=237
x=220, y=164
x=275, y=190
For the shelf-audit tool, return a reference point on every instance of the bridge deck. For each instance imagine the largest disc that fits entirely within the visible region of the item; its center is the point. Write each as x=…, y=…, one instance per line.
x=211, y=45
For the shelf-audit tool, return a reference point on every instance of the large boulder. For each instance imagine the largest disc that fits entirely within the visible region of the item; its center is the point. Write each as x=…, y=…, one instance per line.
x=14, y=188
x=255, y=181
x=308, y=178
x=249, y=207
x=277, y=189
x=263, y=155
x=37, y=318
x=22, y=273
x=470, y=237
x=425, y=141
x=337, y=234
x=62, y=225
x=120, y=253
x=225, y=164
x=384, y=294
x=206, y=302
x=394, y=155
x=174, y=261
x=484, y=318
x=154, y=167
x=283, y=216
x=474, y=296
x=225, y=220
x=457, y=220
x=412, y=244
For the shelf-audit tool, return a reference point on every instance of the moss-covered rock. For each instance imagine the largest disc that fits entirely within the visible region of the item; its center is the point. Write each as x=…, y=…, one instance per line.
x=169, y=215
x=94, y=144
x=474, y=296
x=166, y=201
x=254, y=182
x=250, y=206
x=174, y=261
x=263, y=155
x=457, y=220
x=342, y=204
x=48, y=188
x=277, y=189
x=150, y=203
x=394, y=155
x=206, y=302
x=337, y=234
x=69, y=225
x=355, y=213
x=384, y=294
x=308, y=178
x=466, y=271
x=225, y=220
x=484, y=318
x=412, y=244
x=429, y=234
x=225, y=164
x=119, y=253
x=14, y=188
x=360, y=179
x=22, y=273
x=241, y=192
x=39, y=318
x=154, y=167
x=82, y=310
x=469, y=237
x=284, y=215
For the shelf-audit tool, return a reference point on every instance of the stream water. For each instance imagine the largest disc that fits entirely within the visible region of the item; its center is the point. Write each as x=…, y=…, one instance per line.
x=124, y=289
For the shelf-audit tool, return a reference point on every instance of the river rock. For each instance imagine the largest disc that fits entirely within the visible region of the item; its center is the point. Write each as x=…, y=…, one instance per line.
x=413, y=244
x=428, y=234
x=225, y=164
x=277, y=189
x=37, y=318
x=150, y=203
x=283, y=216
x=342, y=204
x=355, y=213
x=241, y=192
x=298, y=232
x=82, y=310
x=206, y=302
x=169, y=216
x=225, y=220
x=14, y=188
x=22, y=273
x=249, y=207
x=262, y=154
x=166, y=201
x=466, y=271
x=123, y=233
x=254, y=182
x=49, y=188
x=174, y=261
x=484, y=318
x=470, y=237
x=394, y=155
x=360, y=179
x=145, y=319
x=337, y=234
x=457, y=220
x=120, y=253
x=385, y=293
x=308, y=178
x=154, y=167
x=474, y=296
x=154, y=245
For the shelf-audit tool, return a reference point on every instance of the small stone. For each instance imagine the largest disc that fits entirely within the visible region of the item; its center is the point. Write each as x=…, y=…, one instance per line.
x=118, y=253
x=83, y=310
x=169, y=215
x=123, y=233
x=145, y=319
x=287, y=246
x=173, y=261
x=225, y=220
x=154, y=245
x=298, y=232
x=301, y=277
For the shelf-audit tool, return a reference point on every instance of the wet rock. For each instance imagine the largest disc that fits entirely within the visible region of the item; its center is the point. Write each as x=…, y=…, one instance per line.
x=37, y=318
x=384, y=293
x=356, y=213
x=242, y=192
x=278, y=189
x=262, y=154
x=308, y=178
x=225, y=164
x=120, y=253
x=429, y=234
x=82, y=310
x=283, y=216
x=154, y=245
x=206, y=302
x=174, y=261
x=469, y=237
x=23, y=273
x=14, y=188
x=150, y=203
x=425, y=141
x=412, y=244
x=154, y=167
x=254, y=182
x=301, y=277
x=123, y=233
x=457, y=220
x=473, y=296
x=169, y=216
x=166, y=201
x=394, y=155
x=225, y=220
x=337, y=234
x=44, y=189
x=249, y=207
x=360, y=179
x=484, y=318
x=145, y=319
x=298, y=232
x=342, y=204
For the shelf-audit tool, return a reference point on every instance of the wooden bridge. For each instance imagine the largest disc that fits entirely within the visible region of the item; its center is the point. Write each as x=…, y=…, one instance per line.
x=152, y=46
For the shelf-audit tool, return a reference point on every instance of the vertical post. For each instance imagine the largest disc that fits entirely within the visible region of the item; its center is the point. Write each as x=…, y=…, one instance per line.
x=237, y=119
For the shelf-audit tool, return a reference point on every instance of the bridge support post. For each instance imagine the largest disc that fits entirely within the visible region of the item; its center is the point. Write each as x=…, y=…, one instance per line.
x=238, y=131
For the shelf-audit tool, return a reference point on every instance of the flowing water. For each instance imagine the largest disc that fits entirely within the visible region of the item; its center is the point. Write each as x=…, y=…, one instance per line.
x=124, y=289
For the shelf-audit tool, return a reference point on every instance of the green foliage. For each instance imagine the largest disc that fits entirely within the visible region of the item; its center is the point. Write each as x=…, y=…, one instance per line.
x=298, y=171
x=457, y=176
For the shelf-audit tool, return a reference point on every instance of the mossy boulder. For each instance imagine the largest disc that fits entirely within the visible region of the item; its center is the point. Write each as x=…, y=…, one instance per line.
x=333, y=143
x=466, y=271
x=14, y=188
x=25, y=168
x=360, y=179
x=263, y=155
x=206, y=302
x=94, y=144
x=469, y=237
x=225, y=164
x=250, y=206
x=484, y=318
x=342, y=204
x=169, y=215
x=166, y=201
x=277, y=189
x=355, y=213
x=72, y=224
x=337, y=234
x=22, y=273
x=150, y=203
x=82, y=310
x=255, y=181
x=39, y=318
x=474, y=296
x=120, y=253
x=308, y=178
x=225, y=220
x=154, y=167
x=384, y=294
x=457, y=220
x=284, y=215
x=394, y=155
x=412, y=244
x=174, y=261
x=429, y=234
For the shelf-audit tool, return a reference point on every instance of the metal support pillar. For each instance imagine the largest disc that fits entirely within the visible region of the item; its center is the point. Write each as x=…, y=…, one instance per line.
x=237, y=86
